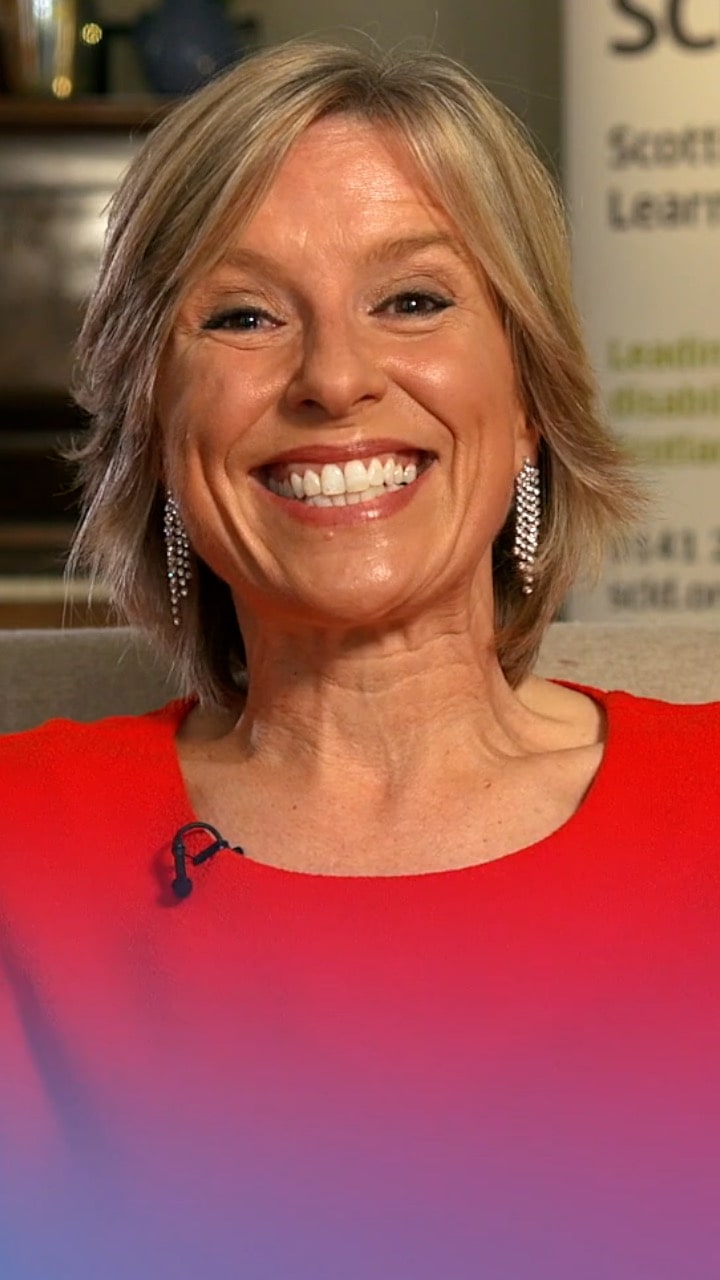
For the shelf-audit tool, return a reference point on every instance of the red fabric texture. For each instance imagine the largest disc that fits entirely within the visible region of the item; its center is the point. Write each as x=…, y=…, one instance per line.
x=563, y=997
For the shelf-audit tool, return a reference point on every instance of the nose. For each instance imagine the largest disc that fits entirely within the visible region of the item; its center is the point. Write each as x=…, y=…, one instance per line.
x=338, y=371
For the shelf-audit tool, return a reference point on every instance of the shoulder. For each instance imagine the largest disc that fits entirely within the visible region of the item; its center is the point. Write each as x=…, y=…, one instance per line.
x=71, y=754
x=668, y=753
x=658, y=779
x=659, y=749
x=78, y=799
x=688, y=719
x=69, y=790
x=634, y=709
x=595, y=714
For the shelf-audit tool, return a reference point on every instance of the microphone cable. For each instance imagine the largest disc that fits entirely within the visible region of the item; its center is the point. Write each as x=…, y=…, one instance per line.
x=182, y=884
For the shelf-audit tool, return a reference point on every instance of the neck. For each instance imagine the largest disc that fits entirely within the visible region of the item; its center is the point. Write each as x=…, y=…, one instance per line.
x=393, y=710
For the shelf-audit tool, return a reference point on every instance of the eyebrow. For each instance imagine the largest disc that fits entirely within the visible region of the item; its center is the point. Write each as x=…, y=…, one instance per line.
x=406, y=246
x=387, y=251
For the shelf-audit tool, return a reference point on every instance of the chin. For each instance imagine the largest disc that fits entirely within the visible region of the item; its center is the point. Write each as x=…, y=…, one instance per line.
x=360, y=605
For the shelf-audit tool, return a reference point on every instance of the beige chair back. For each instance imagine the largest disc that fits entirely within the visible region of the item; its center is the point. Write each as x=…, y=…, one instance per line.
x=84, y=674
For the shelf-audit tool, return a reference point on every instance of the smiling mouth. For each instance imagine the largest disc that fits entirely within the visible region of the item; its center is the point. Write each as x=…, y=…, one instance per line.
x=352, y=482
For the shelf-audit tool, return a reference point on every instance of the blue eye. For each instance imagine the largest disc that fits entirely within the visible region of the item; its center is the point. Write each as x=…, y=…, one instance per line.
x=415, y=303
x=242, y=319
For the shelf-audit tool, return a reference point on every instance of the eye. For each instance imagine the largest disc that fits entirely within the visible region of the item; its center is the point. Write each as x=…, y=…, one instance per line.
x=413, y=302
x=241, y=320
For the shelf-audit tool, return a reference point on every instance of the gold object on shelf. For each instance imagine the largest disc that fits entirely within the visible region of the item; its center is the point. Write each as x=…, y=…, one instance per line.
x=42, y=40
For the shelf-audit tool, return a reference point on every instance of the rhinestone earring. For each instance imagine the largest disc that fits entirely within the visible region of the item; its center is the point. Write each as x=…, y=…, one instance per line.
x=177, y=550
x=527, y=523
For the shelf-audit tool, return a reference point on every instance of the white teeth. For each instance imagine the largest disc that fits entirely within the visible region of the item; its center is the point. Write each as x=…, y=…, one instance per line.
x=332, y=480
x=311, y=484
x=373, y=492
x=319, y=501
x=355, y=482
x=356, y=476
x=375, y=473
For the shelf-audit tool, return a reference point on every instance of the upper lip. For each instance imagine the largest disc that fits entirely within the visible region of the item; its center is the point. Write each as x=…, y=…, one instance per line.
x=340, y=453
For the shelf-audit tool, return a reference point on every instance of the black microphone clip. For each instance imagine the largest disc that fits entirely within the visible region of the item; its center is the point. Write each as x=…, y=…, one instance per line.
x=182, y=885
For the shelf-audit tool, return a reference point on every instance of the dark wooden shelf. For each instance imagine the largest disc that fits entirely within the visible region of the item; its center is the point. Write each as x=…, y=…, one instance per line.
x=141, y=111
x=36, y=484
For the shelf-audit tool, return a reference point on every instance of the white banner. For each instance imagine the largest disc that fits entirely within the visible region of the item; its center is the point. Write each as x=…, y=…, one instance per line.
x=642, y=155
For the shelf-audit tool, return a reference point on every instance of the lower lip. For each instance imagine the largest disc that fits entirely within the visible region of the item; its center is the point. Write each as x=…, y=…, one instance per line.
x=359, y=513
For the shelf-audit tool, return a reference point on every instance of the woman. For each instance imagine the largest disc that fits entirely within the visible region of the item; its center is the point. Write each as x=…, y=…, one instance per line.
x=441, y=1001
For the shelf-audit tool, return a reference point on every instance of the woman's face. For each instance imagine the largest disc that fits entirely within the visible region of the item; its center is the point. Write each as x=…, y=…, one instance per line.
x=338, y=403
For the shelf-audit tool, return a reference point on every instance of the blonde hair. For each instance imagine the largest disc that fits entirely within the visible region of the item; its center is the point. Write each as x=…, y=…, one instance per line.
x=205, y=169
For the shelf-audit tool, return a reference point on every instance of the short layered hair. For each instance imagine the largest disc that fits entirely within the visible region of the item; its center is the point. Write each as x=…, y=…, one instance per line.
x=200, y=176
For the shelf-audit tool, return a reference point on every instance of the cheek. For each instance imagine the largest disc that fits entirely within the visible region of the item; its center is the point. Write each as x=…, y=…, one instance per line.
x=202, y=403
x=469, y=375
x=175, y=396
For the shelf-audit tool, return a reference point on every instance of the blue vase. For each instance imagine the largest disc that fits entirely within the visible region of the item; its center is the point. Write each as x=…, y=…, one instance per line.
x=184, y=43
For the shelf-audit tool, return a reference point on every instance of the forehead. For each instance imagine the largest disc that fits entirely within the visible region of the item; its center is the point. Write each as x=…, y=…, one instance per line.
x=345, y=177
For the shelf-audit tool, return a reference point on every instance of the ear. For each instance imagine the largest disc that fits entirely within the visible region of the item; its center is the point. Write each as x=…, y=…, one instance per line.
x=527, y=440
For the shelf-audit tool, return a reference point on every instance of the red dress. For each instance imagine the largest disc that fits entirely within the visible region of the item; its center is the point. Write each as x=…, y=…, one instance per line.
x=505, y=1071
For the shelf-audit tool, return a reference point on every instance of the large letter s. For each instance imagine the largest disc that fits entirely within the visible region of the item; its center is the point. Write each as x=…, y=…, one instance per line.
x=647, y=34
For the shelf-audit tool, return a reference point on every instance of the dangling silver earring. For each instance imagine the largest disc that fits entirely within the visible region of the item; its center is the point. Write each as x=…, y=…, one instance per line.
x=177, y=550
x=527, y=523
